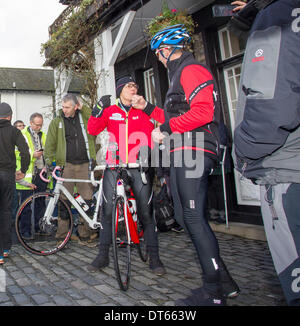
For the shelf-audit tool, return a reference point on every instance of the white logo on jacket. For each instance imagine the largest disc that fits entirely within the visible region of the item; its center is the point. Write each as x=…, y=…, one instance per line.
x=259, y=53
x=116, y=116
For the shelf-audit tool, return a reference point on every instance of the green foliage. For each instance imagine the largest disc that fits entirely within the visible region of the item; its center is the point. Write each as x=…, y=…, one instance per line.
x=169, y=17
x=68, y=45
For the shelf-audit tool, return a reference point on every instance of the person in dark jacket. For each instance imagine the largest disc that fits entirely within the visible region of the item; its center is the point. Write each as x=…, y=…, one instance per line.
x=190, y=120
x=10, y=137
x=267, y=134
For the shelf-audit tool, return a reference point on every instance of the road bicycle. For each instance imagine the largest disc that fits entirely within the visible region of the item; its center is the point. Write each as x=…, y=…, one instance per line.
x=127, y=230
x=42, y=239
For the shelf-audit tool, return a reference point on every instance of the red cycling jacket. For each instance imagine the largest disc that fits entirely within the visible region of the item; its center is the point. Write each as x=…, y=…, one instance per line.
x=192, y=89
x=128, y=132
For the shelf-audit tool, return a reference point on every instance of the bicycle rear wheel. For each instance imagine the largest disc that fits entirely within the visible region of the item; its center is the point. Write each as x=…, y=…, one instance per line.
x=34, y=233
x=121, y=245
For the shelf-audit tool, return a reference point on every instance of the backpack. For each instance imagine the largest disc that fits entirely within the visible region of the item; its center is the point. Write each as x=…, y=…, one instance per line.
x=164, y=210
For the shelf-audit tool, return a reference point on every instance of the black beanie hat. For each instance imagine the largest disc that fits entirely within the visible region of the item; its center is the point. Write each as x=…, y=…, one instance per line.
x=121, y=83
x=5, y=110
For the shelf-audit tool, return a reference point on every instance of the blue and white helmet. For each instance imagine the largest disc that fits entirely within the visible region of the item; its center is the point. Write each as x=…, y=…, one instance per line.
x=174, y=36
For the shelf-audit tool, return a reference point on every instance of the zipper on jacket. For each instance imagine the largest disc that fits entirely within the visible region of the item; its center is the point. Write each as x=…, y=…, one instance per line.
x=243, y=170
x=126, y=121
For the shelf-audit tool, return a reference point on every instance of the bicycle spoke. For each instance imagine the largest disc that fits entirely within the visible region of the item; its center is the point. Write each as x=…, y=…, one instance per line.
x=38, y=235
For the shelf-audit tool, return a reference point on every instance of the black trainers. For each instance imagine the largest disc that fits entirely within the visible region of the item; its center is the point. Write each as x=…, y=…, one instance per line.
x=230, y=289
x=101, y=261
x=202, y=298
x=98, y=263
x=157, y=267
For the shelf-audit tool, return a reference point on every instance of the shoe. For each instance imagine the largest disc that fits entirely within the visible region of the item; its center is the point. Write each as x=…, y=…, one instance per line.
x=157, y=267
x=42, y=233
x=89, y=243
x=202, y=298
x=74, y=237
x=27, y=236
x=97, y=265
x=230, y=289
x=5, y=253
x=177, y=229
x=220, y=220
x=94, y=236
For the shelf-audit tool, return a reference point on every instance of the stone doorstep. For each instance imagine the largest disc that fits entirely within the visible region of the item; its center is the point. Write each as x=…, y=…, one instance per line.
x=249, y=231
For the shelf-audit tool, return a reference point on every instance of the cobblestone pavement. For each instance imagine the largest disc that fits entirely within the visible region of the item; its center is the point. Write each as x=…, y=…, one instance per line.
x=62, y=280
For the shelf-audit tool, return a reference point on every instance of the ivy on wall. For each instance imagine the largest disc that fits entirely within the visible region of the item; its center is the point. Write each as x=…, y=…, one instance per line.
x=69, y=45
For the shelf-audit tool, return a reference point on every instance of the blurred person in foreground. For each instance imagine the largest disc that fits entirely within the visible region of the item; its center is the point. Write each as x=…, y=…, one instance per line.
x=267, y=134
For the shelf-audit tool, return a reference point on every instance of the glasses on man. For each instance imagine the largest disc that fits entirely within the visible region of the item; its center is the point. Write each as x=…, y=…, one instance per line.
x=157, y=52
x=132, y=85
x=20, y=126
x=38, y=125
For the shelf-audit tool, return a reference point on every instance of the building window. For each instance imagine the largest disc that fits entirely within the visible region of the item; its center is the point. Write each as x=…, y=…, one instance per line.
x=232, y=80
x=230, y=44
x=150, y=86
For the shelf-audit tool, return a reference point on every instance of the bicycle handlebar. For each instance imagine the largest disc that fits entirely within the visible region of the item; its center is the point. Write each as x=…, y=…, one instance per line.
x=42, y=177
x=97, y=168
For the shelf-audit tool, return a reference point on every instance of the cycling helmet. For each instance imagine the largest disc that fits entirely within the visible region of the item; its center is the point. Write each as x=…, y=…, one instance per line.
x=174, y=36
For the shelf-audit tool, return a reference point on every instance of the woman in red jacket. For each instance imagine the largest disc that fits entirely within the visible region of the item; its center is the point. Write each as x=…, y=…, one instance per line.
x=129, y=129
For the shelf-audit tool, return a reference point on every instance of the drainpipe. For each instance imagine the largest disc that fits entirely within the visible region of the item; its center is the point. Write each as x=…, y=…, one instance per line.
x=15, y=100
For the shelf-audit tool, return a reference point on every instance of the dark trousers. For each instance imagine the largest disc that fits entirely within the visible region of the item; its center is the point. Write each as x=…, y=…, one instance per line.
x=280, y=207
x=190, y=198
x=143, y=196
x=7, y=184
x=39, y=208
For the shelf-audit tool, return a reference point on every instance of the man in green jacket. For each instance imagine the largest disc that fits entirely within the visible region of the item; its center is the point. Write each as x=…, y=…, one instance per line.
x=70, y=146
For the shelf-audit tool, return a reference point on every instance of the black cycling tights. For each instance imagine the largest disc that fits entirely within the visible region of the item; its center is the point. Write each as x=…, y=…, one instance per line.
x=143, y=195
x=190, y=196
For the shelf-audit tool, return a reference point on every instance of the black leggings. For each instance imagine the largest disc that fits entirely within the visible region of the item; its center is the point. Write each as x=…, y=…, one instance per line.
x=190, y=197
x=143, y=195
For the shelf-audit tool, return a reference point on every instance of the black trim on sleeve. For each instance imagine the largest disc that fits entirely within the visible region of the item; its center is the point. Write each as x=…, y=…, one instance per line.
x=149, y=108
x=165, y=127
x=199, y=88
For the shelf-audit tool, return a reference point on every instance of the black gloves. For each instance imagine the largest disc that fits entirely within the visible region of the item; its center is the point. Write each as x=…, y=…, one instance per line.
x=177, y=103
x=103, y=103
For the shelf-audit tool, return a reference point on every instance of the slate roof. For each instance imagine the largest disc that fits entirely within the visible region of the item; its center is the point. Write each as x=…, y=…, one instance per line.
x=39, y=80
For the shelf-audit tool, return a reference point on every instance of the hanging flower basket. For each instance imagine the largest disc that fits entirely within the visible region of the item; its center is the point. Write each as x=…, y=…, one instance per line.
x=169, y=17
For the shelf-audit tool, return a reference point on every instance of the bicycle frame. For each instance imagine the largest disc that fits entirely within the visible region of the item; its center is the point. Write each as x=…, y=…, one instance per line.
x=59, y=188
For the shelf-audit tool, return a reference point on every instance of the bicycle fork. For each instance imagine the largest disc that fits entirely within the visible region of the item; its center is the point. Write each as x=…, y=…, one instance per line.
x=129, y=222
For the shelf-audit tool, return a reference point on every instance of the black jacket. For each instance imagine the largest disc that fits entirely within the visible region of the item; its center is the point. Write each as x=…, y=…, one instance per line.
x=76, y=147
x=10, y=137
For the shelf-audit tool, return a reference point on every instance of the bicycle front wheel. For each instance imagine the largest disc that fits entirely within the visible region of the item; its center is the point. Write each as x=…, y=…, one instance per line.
x=121, y=244
x=36, y=233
